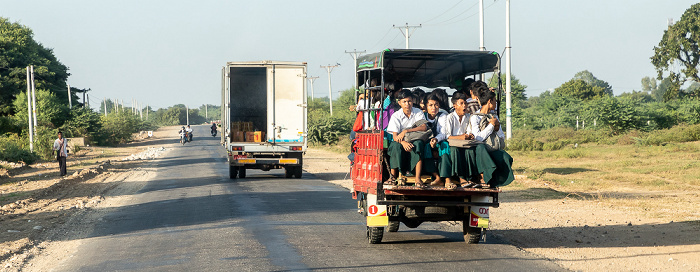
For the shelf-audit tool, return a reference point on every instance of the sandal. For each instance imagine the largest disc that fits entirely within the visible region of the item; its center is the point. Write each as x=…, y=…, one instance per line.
x=420, y=184
x=469, y=185
x=401, y=181
x=390, y=181
x=450, y=185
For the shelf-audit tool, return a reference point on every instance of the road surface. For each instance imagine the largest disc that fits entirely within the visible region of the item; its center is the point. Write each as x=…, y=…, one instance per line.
x=192, y=217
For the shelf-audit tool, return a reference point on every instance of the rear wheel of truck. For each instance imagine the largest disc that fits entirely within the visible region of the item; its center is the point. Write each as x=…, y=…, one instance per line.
x=232, y=171
x=241, y=172
x=297, y=172
x=393, y=226
x=375, y=234
x=288, y=172
x=472, y=235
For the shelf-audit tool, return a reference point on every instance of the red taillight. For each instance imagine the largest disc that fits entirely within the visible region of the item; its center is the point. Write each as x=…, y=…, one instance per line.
x=296, y=148
x=236, y=148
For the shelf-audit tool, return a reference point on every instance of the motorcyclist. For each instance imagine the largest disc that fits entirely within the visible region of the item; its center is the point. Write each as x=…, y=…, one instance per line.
x=183, y=134
x=189, y=132
x=213, y=128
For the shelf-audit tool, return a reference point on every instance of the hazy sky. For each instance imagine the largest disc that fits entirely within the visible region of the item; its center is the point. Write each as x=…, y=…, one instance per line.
x=171, y=52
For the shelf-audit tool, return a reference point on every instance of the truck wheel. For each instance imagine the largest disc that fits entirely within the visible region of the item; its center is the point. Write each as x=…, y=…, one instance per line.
x=412, y=223
x=393, y=226
x=241, y=172
x=297, y=172
x=472, y=235
x=288, y=172
x=375, y=234
x=232, y=172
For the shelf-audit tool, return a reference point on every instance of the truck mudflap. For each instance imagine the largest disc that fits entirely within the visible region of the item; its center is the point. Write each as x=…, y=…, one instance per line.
x=479, y=215
x=376, y=214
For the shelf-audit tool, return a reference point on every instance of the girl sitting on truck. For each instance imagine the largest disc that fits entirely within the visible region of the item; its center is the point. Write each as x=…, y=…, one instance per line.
x=495, y=168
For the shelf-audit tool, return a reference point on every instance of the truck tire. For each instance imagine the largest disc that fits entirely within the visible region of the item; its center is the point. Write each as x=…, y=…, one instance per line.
x=297, y=172
x=472, y=235
x=375, y=234
x=232, y=172
x=393, y=226
x=288, y=172
x=241, y=172
x=412, y=223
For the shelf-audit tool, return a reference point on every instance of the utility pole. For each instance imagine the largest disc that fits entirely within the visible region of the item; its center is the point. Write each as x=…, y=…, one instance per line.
x=481, y=31
x=354, y=55
x=509, y=124
x=29, y=111
x=329, y=68
x=34, y=99
x=104, y=100
x=206, y=111
x=188, y=115
x=84, y=102
x=407, y=34
x=147, y=107
x=70, y=100
x=88, y=100
x=312, y=79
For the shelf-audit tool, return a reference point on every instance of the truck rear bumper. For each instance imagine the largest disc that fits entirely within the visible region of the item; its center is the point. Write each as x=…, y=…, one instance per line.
x=266, y=161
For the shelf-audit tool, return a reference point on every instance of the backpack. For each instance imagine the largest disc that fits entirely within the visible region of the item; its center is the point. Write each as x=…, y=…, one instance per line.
x=419, y=135
x=493, y=142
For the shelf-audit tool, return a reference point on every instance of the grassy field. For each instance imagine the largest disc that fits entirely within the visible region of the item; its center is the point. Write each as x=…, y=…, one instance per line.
x=675, y=166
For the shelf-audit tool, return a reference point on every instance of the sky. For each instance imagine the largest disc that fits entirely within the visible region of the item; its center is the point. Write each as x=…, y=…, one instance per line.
x=163, y=53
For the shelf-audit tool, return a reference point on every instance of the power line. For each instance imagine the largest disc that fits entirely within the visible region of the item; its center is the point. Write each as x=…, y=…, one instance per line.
x=460, y=14
x=446, y=11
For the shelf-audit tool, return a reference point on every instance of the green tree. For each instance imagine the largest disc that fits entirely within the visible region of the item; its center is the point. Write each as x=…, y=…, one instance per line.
x=517, y=89
x=679, y=44
x=579, y=89
x=51, y=111
x=649, y=84
x=589, y=78
x=18, y=49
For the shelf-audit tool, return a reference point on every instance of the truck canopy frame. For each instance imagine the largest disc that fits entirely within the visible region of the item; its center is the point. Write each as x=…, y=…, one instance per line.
x=427, y=67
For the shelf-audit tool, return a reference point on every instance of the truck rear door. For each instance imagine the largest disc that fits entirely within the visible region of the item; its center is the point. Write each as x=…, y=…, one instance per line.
x=288, y=104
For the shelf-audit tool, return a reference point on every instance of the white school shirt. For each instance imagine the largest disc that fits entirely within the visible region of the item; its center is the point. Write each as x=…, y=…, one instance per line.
x=480, y=135
x=454, y=127
x=400, y=122
x=361, y=106
x=440, y=125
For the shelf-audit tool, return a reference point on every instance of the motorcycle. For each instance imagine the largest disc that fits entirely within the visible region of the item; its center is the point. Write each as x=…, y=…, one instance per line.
x=213, y=132
x=189, y=135
x=183, y=138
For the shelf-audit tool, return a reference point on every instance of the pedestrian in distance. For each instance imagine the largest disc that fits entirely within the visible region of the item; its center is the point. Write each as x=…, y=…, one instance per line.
x=60, y=145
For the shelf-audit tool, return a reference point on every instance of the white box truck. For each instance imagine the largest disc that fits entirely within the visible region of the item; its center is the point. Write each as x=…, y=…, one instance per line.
x=264, y=116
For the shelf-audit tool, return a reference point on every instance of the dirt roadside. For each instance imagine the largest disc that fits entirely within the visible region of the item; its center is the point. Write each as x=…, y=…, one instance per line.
x=621, y=230
x=42, y=213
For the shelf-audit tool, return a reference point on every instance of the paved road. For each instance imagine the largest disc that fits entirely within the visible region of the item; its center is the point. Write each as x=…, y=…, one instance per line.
x=191, y=217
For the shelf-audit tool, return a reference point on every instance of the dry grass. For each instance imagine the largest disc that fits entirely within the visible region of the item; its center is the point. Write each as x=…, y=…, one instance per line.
x=600, y=167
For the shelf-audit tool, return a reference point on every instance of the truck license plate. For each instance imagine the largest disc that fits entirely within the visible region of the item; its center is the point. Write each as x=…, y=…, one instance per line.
x=236, y=157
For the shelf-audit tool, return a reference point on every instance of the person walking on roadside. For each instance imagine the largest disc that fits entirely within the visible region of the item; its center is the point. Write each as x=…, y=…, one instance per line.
x=60, y=146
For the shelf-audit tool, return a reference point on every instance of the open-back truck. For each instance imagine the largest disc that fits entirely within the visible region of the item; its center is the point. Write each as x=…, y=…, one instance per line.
x=386, y=206
x=263, y=116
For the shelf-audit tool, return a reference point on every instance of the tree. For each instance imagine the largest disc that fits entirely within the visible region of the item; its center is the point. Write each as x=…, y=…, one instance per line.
x=680, y=44
x=579, y=89
x=648, y=84
x=51, y=111
x=18, y=49
x=517, y=89
x=589, y=78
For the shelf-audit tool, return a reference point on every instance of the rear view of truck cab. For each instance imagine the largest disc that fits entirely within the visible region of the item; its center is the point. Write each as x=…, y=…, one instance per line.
x=264, y=116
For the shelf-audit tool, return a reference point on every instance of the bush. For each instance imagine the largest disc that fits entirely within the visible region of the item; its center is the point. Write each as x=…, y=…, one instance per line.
x=117, y=128
x=16, y=149
x=677, y=134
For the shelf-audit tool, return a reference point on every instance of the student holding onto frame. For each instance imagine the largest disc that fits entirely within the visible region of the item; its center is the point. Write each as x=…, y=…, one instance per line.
x=495, y=166
x=405, y=156
x=436, y=158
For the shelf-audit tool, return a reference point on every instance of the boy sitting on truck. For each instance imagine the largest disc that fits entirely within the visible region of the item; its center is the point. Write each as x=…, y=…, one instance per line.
x=405, y=156
x=436, y=158
x=457, y=128
x=495, y=167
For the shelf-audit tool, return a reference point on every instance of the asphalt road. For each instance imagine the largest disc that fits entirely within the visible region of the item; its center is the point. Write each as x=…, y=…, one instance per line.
x=192, y=217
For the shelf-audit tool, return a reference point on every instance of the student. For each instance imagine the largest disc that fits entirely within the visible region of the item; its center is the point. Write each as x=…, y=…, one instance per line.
x=496, y=168
x=457, y=127
x=418, y=97
x=405, y=156
x=473, y=105
x=436, y=158
x=444, y=99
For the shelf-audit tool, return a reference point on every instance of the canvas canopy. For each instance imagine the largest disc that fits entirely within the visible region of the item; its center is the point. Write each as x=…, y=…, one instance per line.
x=428, y=68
